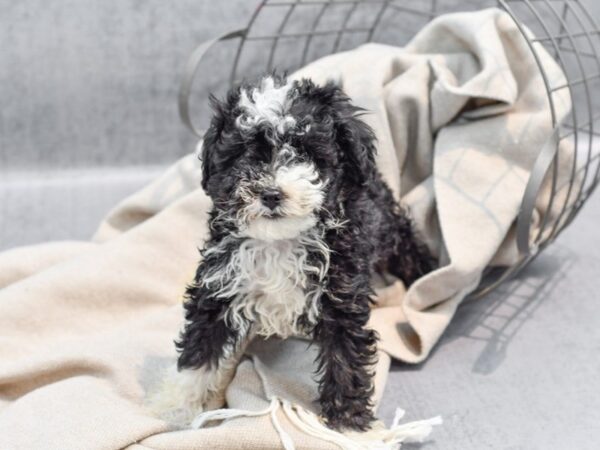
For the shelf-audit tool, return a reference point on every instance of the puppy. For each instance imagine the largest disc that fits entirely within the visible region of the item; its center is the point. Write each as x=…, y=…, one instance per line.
x=301, y=219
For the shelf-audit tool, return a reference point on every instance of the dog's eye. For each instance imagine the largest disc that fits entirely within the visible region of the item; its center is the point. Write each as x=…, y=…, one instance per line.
x=316, y=147
x=260, y=147
x=228, y=151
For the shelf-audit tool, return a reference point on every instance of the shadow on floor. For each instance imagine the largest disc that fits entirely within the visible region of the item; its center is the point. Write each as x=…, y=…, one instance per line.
x=499, y=316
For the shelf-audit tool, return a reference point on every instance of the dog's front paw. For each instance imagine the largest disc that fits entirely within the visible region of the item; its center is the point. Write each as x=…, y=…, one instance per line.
x=352, y=416
x=182, y=395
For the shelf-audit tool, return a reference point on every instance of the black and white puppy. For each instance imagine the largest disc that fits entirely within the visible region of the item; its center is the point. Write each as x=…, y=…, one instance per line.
x=301, y=220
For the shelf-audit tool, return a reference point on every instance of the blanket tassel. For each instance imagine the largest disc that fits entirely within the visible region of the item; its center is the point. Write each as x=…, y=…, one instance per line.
x=378, y=438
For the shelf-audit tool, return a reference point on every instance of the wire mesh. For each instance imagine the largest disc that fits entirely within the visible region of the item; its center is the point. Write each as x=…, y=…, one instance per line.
x=287, y=34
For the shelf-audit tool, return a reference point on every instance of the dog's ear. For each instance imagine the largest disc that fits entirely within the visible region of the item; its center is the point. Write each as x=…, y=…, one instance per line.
x=357, y=143
x=355, y=139
x=212, y=138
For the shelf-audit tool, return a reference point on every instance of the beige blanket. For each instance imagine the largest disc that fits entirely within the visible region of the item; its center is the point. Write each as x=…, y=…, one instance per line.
x=87, y=328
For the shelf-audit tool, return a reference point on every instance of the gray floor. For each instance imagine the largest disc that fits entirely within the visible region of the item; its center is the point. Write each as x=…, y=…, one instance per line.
x=516, y=370
x=519, y=369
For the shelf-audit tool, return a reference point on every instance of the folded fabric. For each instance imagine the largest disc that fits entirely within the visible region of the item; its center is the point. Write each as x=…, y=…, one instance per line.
x=87, y=329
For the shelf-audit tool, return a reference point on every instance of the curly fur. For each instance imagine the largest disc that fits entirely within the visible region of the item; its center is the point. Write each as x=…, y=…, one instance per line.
x=267, y=283
x=303, y=263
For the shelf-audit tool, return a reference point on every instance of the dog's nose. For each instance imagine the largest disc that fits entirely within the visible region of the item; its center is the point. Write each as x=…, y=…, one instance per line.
x=271, y=198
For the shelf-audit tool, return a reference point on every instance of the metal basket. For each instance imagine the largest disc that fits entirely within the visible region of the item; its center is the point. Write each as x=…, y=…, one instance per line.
x=287, y=34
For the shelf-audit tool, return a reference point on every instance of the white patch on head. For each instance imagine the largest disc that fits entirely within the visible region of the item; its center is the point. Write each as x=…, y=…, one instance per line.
x=267, y=103
x=269, y=284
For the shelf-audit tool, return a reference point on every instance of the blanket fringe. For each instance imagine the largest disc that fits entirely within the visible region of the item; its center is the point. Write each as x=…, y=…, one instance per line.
x=378, y=438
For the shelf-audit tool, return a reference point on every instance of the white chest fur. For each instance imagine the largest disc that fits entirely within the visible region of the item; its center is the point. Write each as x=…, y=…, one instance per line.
x=271, y=284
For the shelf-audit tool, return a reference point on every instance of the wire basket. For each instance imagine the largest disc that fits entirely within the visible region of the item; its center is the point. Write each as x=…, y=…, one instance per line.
x=287, y=34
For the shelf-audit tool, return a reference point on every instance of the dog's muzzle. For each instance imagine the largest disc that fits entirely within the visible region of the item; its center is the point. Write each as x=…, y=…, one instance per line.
x=271, y=198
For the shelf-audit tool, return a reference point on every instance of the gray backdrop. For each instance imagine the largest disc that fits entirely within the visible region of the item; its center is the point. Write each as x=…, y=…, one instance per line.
x=93, y=82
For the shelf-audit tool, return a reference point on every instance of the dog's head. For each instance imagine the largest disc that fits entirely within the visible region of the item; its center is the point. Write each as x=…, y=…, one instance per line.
x=280, y=155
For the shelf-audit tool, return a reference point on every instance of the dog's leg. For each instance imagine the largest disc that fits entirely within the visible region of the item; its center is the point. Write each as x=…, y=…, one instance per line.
x=348, y=349
x=209, y=353
x=346, y=363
